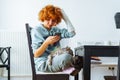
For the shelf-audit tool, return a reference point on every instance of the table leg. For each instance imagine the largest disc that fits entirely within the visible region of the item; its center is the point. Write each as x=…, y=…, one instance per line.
x=77, y=77
x=86, y=66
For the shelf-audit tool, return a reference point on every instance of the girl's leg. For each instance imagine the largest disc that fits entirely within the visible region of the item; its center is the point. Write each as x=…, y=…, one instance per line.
x=62, y=62
x=59, y=63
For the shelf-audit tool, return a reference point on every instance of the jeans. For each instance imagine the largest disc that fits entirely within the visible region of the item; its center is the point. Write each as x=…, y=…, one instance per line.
x=59, y=63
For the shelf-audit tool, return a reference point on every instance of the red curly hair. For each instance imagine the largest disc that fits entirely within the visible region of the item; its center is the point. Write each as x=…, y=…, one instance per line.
x=50, y=12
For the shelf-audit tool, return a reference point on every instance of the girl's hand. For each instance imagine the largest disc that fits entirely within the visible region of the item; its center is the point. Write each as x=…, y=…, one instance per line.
x=52, y=39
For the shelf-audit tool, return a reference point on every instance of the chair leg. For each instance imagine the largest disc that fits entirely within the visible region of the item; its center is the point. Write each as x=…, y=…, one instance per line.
x=8, y=73
x=76, y=77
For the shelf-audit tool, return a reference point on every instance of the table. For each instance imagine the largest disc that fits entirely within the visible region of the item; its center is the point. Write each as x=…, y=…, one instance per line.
x=101, y=51
x=6, y=61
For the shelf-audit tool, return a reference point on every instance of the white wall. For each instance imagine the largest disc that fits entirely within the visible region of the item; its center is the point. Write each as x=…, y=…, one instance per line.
x=92, y=19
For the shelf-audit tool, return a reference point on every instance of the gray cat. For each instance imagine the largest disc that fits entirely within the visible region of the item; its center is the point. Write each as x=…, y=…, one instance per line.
x=59, y=51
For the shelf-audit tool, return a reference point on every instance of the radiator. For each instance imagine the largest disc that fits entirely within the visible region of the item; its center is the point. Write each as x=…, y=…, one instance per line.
x=20, y=60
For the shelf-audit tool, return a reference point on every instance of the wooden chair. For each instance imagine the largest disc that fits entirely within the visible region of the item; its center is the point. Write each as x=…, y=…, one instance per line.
x=5, y=63
x=43, y=75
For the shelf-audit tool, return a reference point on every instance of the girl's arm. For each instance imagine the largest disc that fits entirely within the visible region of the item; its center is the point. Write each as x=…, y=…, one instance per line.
x=68, y=22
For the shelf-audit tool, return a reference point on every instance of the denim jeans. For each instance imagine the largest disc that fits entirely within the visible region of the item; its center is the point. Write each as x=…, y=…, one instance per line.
x=59, y=63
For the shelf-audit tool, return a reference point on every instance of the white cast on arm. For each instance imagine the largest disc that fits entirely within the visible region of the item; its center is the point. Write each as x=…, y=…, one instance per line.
x=68, y=22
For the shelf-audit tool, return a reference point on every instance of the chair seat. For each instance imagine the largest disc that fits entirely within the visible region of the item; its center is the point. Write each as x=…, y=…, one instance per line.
x=38, y=72
x=52, y=76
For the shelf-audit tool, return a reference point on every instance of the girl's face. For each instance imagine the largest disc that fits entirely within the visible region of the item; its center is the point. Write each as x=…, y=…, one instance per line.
x=50, y=23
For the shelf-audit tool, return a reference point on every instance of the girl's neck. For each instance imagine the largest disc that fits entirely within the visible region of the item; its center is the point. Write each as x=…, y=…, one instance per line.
x=45, y=26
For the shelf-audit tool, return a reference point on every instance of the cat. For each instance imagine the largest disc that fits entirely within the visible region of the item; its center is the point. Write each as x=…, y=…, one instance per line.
x=59, y=51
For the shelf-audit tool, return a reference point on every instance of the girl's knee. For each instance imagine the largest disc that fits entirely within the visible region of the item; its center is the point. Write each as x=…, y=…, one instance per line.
x=67, y=58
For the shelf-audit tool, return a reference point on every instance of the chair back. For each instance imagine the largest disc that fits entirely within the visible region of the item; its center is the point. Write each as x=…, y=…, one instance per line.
x=28, y=31
x=5, y=55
